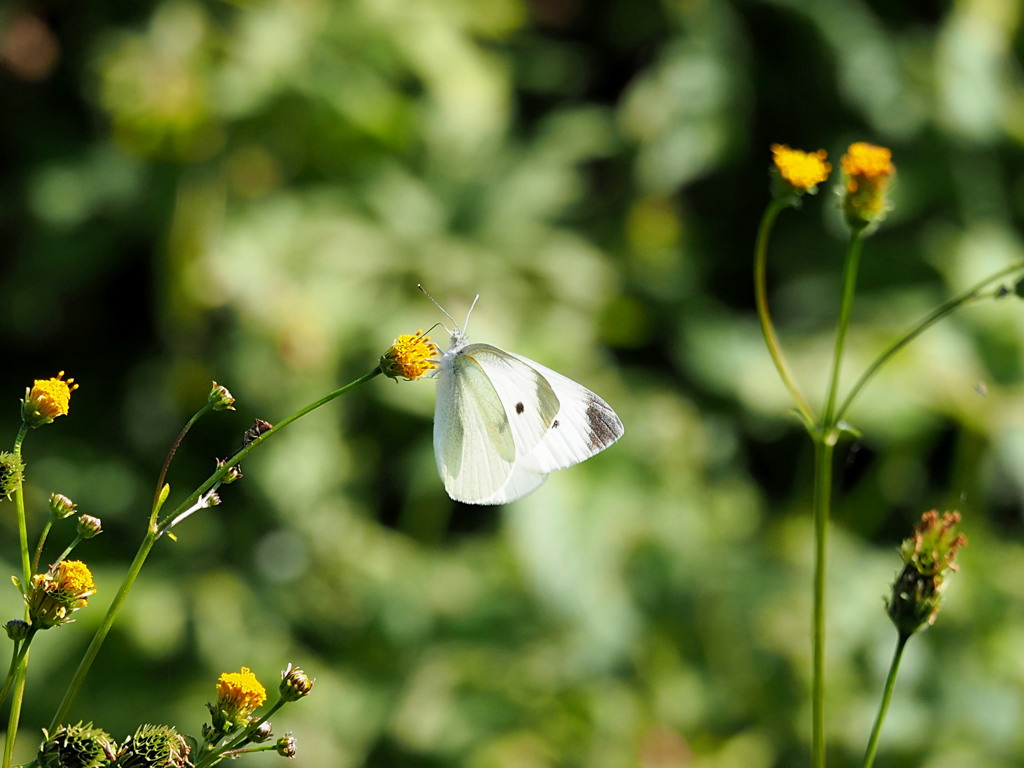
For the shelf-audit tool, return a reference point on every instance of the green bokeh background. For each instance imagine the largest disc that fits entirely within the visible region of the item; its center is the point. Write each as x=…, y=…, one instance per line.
x=250, y=192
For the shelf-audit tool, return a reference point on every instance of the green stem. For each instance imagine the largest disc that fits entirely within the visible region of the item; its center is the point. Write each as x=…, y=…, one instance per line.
x=101, y=633
x=761, y=298
x=218, y=476
x=214, y=757
x=851, y=265
x=823, y=456
x=15, y=714
x=41, y=544
x=890, y=684
x=20, y=649
x=825, y=439
x=170, y=456
x=950, y=306
x=19, y=504
x=21, y=664
x=153, y=532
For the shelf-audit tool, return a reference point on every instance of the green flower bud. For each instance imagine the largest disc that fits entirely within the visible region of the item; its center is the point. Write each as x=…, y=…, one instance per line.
x=220, y=398
x=61, y=506
x=286, y=745
x=12, y=472
x=154, y=746
x=89, y=526
x=294, y=684
x=928, y=556
x=76, y=746
x=17, y=629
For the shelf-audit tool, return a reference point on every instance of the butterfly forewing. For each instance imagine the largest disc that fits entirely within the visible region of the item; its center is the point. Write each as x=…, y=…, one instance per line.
x=473, y=443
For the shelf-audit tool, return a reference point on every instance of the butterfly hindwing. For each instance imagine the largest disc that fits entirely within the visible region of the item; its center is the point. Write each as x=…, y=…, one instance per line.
x=585, y=424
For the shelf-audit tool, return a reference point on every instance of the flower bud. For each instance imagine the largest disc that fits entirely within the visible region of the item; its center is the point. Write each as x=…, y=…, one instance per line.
x=12, y=472
x=154, y=746
x=89, y=526
x=294, y=684
x=76, y=746
x=928, y=556
x=868, y=170
x=61, y=506
x=262, y=732
x=286, y=745
x=17, y=629
x=220, y=398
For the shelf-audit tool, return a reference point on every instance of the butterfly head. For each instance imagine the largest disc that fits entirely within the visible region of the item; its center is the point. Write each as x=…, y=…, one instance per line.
x=457, y=336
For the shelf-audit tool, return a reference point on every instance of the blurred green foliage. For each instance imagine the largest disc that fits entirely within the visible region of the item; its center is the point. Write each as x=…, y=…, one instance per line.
x=250, y=192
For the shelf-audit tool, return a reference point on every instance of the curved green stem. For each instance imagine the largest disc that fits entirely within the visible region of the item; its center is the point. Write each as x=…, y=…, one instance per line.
x=767, y=327
x=218, y=476
x=948, y=307
x=170, y=456
x=41, y=544
x=890, y=684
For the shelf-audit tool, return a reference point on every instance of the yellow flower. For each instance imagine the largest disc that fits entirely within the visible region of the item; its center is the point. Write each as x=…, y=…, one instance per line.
x=410, y=357
x=803, y=171
x=59, y=592
x=48, y=399
x=868, y=169
x=239, y=694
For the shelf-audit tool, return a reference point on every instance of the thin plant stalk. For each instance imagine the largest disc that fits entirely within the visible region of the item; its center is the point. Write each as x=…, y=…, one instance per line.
x=155, y=530
x=764, y=316
x=972, y=294
x=14, y=716
x=823, y=460
x=826, y=437
x=21, y=663
x=19, y=505
x=890, y=685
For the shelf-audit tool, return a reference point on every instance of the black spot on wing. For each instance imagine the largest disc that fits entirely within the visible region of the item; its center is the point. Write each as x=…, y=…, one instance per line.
x=604, y=427
x=520, y=407
x=554, y=424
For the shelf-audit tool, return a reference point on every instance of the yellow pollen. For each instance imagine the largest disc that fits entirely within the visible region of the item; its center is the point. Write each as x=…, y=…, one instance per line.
x=52, y=396
x=411, y=356
x=240, y=692
x=74, y=578
x=803, y=170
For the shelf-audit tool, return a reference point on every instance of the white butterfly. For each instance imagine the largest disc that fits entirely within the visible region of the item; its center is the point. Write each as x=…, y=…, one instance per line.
x=503, y=423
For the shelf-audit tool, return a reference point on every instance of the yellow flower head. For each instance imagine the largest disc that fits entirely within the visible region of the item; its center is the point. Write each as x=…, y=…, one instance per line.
x=410, y=357
x=48, y=399
x=239, y=694
x=868, y=169
x=59, y=592
x=803, y=171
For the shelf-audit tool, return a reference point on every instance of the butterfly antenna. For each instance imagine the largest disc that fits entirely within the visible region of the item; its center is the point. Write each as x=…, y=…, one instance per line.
x=443, y=311
x=475, y=300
